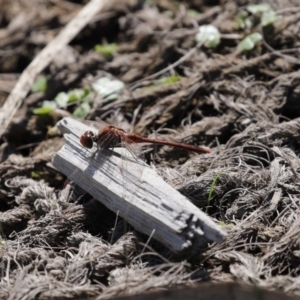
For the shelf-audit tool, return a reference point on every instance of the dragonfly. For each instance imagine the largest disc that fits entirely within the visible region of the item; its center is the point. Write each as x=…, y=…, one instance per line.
x=108, y=137
x=111, y=136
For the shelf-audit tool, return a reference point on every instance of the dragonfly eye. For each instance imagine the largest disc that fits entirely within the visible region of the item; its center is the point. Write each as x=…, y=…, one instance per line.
x=86, y=139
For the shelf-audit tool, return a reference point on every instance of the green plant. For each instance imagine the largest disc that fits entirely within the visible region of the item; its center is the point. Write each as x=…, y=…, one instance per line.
x=254, y=14
x=106, y=50
x=209, y=35
x=167, y=80
x=211, y=190
x=223, y=224
x=40, y=85
x=63, y=100
x=249, y=42
x=108, y=88
x=105, y=87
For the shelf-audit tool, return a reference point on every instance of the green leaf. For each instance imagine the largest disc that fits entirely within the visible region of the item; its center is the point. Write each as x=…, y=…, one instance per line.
x=85, y=92
x=40, y=85
x=78, y=94
x=209, y=35
x=35, y=175
x=249, y=42
x=223, y=224
x=106, y=50
x=168, y=80
x=75, y=95
x=46, y=108
x=259, y=8
x=108, y=88
x=62, y=99
x=211, y=190
x=42, y=111
x=82, y=110
x=49, y=104
x=243, y=20
x=269, y=18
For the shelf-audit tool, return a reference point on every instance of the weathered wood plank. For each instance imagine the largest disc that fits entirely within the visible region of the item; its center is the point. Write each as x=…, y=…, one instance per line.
x=137, y=193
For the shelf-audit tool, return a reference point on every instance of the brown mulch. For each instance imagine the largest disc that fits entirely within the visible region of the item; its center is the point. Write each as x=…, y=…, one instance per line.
x=245, y=107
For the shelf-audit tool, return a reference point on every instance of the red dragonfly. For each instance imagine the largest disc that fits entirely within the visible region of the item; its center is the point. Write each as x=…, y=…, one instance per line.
x=111, y=137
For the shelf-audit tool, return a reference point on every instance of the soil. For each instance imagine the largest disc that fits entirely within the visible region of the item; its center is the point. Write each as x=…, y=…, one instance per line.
x=244, y=106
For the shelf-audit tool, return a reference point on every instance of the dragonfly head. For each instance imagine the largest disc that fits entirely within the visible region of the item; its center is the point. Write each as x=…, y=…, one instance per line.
x=87, y=139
